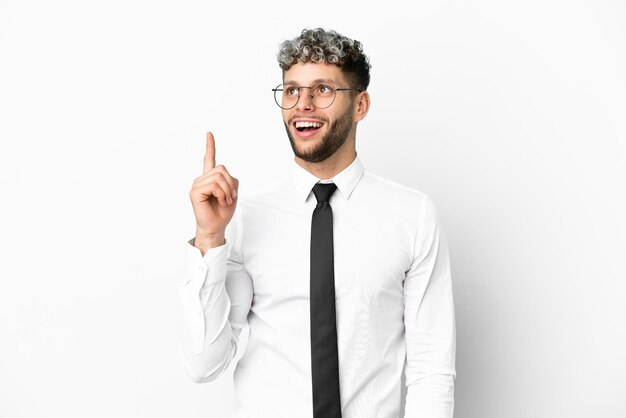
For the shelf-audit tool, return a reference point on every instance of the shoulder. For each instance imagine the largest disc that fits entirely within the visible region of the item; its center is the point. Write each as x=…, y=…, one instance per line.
x=400, y=199
x=399, y=192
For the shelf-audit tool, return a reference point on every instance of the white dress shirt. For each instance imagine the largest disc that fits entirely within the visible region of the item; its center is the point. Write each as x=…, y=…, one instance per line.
x=394, y=304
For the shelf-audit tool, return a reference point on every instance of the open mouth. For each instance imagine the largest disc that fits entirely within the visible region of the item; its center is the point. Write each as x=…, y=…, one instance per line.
x=307, y=128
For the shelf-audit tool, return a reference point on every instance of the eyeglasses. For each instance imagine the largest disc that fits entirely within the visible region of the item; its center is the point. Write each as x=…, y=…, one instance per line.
x=322, y=95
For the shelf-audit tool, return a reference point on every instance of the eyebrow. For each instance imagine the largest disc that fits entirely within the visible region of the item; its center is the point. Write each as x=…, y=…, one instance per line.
x=319, y=80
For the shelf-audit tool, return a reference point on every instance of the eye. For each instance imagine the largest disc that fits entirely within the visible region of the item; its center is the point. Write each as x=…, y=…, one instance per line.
x=291, y=91
x=324, y=90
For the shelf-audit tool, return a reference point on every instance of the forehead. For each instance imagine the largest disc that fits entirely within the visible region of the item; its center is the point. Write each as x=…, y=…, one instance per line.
x=303, y=74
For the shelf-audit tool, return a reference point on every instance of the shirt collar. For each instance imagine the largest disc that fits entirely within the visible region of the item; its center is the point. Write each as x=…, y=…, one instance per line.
x=346, y=180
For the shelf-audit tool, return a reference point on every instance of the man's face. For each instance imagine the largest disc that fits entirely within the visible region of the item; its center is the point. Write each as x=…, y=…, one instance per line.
x=317, y=144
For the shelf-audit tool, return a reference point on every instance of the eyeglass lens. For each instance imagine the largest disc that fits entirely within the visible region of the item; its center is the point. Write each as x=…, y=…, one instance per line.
x=287, y=96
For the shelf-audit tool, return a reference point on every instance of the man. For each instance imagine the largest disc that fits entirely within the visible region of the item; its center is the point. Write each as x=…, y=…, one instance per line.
x=342, y=276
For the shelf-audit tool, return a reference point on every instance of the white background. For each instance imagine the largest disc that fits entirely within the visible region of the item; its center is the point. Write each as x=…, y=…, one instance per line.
x=511, y=115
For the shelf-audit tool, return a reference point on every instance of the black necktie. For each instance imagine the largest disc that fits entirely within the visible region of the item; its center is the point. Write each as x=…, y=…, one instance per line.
x=324, y=357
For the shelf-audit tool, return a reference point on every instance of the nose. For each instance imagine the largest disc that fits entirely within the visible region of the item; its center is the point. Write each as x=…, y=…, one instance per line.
x=305, y=101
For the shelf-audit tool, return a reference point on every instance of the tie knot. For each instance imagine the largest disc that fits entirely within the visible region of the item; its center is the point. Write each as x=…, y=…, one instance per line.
x=323, y=191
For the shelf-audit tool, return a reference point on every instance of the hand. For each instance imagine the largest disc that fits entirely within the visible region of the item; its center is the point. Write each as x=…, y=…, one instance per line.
x=213, y=195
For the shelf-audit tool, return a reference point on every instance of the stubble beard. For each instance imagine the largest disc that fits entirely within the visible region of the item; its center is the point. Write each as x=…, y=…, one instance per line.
x=333, y=140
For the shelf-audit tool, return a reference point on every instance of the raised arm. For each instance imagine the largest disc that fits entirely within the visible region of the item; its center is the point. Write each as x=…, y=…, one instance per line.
x=216, y=293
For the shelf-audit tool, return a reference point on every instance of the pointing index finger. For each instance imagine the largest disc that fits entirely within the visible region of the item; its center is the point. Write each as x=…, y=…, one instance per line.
x=209, y=156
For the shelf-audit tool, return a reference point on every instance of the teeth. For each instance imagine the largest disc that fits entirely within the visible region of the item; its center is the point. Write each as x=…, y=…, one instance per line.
x=308, y=124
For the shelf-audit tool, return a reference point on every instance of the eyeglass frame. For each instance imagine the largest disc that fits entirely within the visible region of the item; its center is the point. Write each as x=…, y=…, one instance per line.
x=335, y=90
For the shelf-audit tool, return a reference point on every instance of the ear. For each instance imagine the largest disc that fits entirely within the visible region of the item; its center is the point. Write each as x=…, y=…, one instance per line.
x=362, y=106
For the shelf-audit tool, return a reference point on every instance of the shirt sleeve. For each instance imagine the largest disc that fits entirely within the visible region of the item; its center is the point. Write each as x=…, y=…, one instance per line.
x=215, y=297
x=430, y=331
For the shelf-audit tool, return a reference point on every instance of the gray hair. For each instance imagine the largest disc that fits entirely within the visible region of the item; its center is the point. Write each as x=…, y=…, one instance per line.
x=321, y=46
